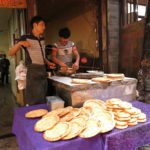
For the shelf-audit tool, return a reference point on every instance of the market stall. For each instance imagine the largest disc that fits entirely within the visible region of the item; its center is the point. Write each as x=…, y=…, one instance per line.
x=126, y=139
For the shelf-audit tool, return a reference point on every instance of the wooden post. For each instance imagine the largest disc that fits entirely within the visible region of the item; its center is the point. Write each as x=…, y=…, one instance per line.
x=99, y=2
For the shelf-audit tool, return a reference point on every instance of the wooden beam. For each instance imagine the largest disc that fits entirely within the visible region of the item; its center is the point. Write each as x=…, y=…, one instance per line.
x=140, y=2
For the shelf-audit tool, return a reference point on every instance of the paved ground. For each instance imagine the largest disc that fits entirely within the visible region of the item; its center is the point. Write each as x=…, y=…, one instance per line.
x=7, y=105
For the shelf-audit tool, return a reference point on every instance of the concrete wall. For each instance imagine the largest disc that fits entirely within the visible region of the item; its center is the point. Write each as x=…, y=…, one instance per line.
x=113, y=35
x=14, y=29
x=4, y=46
x=83, y=25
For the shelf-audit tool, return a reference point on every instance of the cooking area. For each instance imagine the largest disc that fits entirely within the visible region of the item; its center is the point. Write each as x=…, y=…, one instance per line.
x=76, y=94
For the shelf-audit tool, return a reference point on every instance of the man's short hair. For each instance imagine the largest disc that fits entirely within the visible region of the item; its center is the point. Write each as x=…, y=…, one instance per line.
x=36, y=19
x=64, y=32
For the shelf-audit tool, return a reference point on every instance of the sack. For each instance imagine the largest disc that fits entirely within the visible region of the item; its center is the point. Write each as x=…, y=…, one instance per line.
x=21, y=72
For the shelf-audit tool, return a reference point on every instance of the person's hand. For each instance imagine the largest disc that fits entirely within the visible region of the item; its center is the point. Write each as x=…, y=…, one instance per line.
x=51, y=65
x=75, y=66
x=25, y=44
x=64, y=67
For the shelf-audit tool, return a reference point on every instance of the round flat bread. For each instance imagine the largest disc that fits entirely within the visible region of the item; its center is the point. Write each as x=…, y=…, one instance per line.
x=94, y=104
x=73, y=113
x=85, y=111
x=51, y=113
x=122, y=119
x=113, y=101
x=36, y=113
x=80, y=120
x=75, y=131
x=93, y=128
x=131, y=110
x=132, y=120
x=115, y=76
x=122, y=115
x=121, y=127
x=106, y=119
x=142, y=120
x=135, y=116
x=80, y=81
x=101, y=79
x=125, y=105
x=67, y=117
x=46, y=123
x=121, y=123
x=64, y=111
x=57, y=132
x=141, y=116
x=132, y=123
x=84, y=116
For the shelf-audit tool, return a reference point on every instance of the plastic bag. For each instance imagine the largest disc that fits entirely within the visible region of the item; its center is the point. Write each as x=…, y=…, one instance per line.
x=21, y=72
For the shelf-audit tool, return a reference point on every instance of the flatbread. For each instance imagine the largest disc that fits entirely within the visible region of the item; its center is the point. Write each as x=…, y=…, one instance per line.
x=101, y=79
x=121, y=127
x=73, y=113
x=94, y=104
x=107, y=120
x=75, y=131
x=46, y=123
x=64, y=111
x=59, y=131
x=115, y=76
x=36, y=113
x=80, y=81
x=93, y=128
x=80, y=120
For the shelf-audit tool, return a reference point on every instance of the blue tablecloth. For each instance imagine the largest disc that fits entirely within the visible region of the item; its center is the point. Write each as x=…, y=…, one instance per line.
x=127, y=139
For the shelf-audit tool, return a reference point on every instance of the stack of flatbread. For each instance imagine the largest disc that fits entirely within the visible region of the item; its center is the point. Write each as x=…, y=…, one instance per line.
x=93, y=118
x=125, y=114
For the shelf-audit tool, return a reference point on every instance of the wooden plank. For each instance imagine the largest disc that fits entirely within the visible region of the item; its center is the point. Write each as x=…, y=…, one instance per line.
x=13, y=4
x=132, y=36
x=104, y=35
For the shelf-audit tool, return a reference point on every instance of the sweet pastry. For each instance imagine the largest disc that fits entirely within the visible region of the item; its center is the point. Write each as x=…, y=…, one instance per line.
x=36, y=113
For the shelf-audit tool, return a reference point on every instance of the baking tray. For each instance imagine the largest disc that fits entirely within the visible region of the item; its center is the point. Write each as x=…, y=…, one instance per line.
x=86, y=75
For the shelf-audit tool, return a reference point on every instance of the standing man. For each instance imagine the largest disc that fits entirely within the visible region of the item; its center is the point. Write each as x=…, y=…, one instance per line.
x=4, y=69
x=34, y=46
x=63, y=50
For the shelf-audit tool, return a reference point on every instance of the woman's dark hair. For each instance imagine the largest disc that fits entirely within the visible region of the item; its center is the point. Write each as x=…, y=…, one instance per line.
x=36, y=19
x=65, y=33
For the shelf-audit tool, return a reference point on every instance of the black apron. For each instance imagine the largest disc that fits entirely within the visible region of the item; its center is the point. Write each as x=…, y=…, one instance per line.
x=36, y=84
